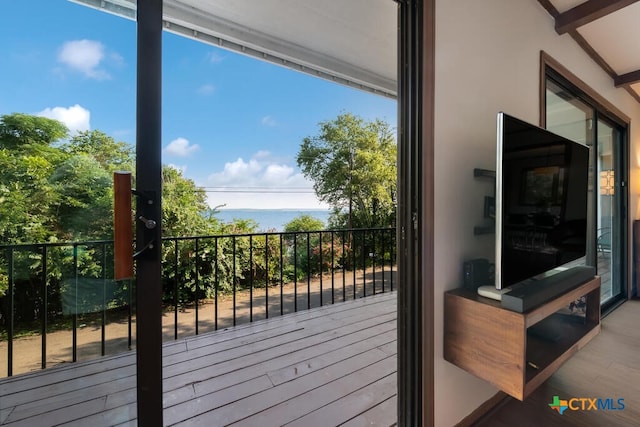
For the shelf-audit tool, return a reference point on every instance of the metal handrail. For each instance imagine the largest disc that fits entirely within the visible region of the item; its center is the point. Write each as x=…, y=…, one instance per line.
x=69, y=282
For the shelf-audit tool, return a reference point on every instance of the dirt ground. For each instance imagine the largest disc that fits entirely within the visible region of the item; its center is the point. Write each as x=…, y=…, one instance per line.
x=27, y=351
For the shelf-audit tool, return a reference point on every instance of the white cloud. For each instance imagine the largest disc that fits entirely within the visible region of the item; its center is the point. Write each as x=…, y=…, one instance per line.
x=263, y=155
x=86, y=57
x=76, y=118
x=116, y=59
x=181, y=168
x=262, y=182
x=276, y=174
x=206, y=89
x=122, y=133
x=214, y=57
x=181, y=147
x=268, y=121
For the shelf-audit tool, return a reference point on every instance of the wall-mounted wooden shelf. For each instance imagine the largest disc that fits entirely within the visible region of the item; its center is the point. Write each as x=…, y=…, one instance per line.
x=514, y=351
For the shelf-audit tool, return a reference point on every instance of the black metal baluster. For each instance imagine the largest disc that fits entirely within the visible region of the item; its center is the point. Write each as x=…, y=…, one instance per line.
x=250, y=278
x=354, y=266
x=215, y=285
x=281, y=277
x=383, y=254
x=333, y=259
x=197, y=281
x=364, y=266
x=74, y=347
x=130, y=312
x=295, y=272
x=176, y=283
x=373, y=260
x=11, y=291
x=266, y=275
x=45, y=303
x=321, y=253
x=103, y=337
x=308, y=270
x=234, y=279
x=392, y=258
x=344, y=272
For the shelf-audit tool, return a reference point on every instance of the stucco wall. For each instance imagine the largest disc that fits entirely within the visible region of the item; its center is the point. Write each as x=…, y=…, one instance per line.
x=488, y=60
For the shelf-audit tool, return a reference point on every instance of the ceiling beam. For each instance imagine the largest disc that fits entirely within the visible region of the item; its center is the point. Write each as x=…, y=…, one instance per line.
x=593, y=54
x=549, y=7
x=623, y=81
x=627, y=78
x=588, y=12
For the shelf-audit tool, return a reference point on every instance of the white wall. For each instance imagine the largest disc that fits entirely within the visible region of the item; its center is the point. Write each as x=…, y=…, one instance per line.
x=488, y=60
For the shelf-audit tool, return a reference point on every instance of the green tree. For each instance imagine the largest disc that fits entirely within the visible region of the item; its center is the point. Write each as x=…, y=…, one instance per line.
x=308, y=248
x=27, y=159
x=184, y=206
x=111, y=154
x=83, y=206
x=352, y=163
x=20, y=131
x=304, y=223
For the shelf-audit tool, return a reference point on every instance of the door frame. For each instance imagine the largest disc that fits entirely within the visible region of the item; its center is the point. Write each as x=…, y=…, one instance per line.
x=415, y=229
x=603, y=109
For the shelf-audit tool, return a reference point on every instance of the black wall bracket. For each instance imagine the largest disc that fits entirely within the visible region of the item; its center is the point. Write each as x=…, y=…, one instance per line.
x=489, y=204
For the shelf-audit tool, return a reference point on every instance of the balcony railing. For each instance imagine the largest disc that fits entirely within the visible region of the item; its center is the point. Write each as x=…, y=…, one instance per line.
x=66, y=291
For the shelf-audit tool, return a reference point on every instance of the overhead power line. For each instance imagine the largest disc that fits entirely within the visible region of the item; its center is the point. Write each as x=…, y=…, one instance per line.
x=272, y=190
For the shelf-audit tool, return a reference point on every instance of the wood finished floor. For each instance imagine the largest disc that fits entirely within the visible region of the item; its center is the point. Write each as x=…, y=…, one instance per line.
x=334, y=365
x=607, y=367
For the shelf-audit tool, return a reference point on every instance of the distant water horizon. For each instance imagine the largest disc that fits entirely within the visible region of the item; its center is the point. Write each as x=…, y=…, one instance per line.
x=271, y=219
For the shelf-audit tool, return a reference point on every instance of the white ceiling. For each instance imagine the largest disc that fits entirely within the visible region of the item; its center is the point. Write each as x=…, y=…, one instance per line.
x=354, y=42
x=611, y=30
x=617, y=38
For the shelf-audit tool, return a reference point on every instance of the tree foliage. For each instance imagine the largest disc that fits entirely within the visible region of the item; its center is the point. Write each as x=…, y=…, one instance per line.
x=55, y=188
x=112, y=155
x=352, y=163
x=84, y=199
x=23, y=131
x=58, y=189
x=184, y=206
x=304, y=223
x=27, y=160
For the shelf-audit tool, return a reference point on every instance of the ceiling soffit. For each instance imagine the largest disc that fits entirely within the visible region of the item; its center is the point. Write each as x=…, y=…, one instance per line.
x=323, y=45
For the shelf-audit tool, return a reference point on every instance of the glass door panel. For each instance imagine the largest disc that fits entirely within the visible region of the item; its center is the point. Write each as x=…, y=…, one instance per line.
x=572, y=118
x=576, y=119
x=608, y=235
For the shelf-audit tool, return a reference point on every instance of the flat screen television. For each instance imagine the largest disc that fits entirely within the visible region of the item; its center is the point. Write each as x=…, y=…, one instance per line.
x=541, y=201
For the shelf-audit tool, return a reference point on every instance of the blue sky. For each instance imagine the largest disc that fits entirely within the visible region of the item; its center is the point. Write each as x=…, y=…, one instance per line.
x=229, y=121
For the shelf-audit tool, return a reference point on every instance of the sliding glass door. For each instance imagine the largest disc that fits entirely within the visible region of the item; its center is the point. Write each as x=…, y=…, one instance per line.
x=571, y=114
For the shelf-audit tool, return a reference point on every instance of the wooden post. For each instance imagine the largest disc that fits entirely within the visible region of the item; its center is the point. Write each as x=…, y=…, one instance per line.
x=122, y=226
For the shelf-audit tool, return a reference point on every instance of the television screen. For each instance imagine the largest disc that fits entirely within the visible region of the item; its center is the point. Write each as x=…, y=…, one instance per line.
x=541, y=201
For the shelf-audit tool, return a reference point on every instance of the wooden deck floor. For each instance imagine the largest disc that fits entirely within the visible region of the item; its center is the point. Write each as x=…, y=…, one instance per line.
x=334, y=365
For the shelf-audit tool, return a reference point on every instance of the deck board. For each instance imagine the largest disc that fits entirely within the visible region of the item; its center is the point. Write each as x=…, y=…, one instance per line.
x=383, y=413
x=359, y=400
x=314, y=397
x=252, y=352
x=271, y=372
